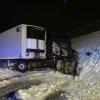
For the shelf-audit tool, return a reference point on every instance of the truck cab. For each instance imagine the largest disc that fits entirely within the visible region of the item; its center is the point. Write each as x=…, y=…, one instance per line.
x=61, y=54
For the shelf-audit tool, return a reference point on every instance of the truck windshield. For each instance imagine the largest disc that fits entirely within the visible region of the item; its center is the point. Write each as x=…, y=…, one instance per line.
x=35, y=33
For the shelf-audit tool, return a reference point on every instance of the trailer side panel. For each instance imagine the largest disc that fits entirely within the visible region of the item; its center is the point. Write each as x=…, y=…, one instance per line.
x=10, y=43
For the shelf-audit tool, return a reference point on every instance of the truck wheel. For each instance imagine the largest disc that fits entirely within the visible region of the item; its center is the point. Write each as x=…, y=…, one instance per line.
x=60, y=66
x=21, y=66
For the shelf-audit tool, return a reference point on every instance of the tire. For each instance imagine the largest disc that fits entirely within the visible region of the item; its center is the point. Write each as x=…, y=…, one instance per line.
x=21, y=66
x=60, y=66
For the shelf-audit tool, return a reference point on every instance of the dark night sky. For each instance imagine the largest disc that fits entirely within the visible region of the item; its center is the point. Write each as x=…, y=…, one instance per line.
x=51, y=14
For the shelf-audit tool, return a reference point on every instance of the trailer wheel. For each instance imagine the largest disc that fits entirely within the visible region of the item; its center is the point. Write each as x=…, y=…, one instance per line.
x=60, y=66
x=21, y=66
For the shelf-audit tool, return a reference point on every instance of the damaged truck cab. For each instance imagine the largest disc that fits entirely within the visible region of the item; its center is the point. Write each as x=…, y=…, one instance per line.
x=61, y=55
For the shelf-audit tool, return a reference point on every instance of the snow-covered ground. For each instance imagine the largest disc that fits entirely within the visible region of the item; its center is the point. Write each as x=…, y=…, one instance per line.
x=8, y=74
x=89, y=63
x=52, y=85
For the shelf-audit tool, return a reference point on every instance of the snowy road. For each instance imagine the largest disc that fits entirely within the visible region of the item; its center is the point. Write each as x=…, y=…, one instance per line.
x=50, y=85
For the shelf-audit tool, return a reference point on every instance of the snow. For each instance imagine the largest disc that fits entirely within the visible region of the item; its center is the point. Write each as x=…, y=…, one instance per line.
x=53, y=86
x=89, y=64
x=50, y=88
x=88, y=48
x=57, y=86
x=6, y=73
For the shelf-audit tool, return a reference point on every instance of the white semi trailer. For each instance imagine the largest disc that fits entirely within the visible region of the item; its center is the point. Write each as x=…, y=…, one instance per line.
x=26, y=45
x=21, y=44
